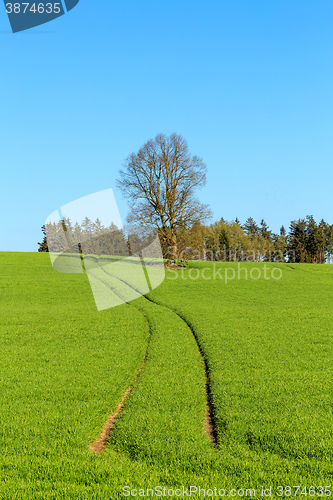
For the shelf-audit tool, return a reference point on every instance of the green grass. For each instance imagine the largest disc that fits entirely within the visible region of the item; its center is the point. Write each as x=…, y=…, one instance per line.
x=269, y=346
x=65, y=367
x=163, y=423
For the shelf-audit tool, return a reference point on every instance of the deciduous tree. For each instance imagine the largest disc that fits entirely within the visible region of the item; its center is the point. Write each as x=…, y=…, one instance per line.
x=160, y=182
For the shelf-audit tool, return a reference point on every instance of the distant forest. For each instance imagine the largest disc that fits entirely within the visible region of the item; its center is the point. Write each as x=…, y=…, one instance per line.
x=92, y=238
x=306, y=241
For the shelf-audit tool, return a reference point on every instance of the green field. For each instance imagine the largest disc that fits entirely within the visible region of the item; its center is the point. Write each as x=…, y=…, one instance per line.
x=262, y=348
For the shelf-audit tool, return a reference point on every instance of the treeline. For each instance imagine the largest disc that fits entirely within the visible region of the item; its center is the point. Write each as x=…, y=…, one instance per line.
x=306, y=242
x=92, y=238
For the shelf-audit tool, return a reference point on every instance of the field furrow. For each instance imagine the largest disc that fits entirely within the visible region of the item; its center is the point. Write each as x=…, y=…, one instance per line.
x=178, y=377
x=65, y=368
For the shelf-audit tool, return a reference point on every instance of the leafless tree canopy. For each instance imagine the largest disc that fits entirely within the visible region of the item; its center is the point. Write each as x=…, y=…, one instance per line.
x=159, y=182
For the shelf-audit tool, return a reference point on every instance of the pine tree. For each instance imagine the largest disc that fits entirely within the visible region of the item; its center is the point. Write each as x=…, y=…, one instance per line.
x=280, y=242
x=43, y=245
x=321, y=242
x=251, y=227
x=311, y=240
x=329, y=242
x=297, y=241
x=264, y=230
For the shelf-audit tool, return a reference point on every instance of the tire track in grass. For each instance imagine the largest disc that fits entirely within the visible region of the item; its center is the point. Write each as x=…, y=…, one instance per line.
x=163, y=419
x=99, y=444
x=210, y=419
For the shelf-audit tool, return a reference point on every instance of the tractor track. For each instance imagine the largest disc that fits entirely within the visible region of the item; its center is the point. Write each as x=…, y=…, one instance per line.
x=210, y=420
x=99, y=444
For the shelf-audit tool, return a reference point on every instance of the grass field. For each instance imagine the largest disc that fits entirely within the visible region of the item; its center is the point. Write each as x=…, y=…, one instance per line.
x=262, y=348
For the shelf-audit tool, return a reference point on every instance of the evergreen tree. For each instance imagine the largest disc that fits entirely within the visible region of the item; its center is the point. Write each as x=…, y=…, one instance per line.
x=329, y=242
x=43, y=245
x=250, y=227
x=311, y=239
x=297, y=241
x=264, y=230
x=280, y=242
x=321, y=242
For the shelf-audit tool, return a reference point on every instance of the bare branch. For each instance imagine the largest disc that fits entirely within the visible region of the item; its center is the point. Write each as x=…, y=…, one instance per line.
x=160, y=181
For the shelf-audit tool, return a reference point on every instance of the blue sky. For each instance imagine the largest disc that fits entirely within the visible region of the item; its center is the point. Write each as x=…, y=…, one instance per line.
x=249, y=84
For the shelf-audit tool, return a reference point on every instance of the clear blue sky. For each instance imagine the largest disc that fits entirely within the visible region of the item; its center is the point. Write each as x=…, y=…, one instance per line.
x=248, y=83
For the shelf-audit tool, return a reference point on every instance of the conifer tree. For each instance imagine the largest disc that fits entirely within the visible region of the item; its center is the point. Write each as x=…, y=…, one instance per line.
x=43, y=245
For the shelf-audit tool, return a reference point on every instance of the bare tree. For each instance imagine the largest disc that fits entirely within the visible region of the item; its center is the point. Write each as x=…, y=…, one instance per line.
x=159, y=182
